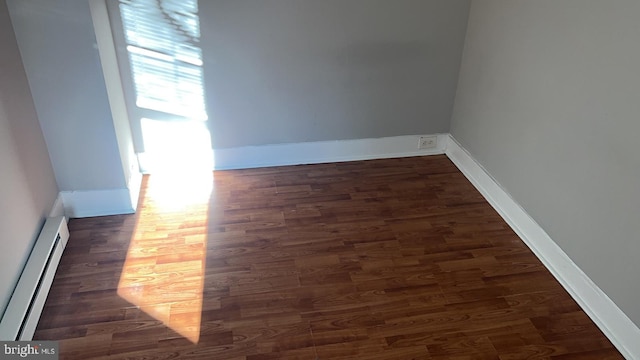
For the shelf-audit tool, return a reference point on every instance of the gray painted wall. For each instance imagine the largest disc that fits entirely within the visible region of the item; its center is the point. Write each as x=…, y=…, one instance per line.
x=549, y=102
x=59, y=52
x=287, y=71
x=28, y=187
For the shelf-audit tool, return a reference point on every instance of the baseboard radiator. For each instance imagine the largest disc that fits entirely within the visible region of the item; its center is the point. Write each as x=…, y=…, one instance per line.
x=25, y=306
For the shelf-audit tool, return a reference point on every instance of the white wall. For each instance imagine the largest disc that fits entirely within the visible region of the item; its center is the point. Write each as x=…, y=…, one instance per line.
x=549, y=102
x=60, y=55
x=27, y=184
x=291, y=71
x=85, y=126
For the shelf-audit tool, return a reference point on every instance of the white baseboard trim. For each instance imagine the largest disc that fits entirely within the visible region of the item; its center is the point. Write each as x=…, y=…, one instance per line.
x=80, y=204
x=58, y=207
x=134, y=185
x=323, y=152
x=615, y=324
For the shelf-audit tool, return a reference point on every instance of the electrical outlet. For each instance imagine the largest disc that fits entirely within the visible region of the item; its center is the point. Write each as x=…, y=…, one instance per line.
x=427, y=142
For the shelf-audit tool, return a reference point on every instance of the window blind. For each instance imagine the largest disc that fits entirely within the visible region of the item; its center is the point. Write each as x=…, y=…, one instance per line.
x=163, y=43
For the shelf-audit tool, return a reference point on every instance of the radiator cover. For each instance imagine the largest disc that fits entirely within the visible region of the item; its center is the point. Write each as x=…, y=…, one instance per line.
x=25, y=306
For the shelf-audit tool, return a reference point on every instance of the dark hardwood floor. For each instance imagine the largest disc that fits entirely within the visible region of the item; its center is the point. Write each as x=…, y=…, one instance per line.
x=382, y=259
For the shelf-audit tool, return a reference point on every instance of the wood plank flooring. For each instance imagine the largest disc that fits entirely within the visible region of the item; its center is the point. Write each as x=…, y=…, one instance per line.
x=381, y=259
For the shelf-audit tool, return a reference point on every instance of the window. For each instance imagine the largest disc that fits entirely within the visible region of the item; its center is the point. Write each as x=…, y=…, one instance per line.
x=162, y=38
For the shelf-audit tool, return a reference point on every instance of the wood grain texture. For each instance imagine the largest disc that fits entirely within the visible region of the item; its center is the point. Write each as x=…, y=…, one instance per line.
x=381, y=259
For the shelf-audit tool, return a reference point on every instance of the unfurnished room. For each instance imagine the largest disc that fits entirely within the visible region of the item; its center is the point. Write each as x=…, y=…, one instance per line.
x=319, y=179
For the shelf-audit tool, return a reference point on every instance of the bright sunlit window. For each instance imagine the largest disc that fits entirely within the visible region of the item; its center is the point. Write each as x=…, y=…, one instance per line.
x=163, y=42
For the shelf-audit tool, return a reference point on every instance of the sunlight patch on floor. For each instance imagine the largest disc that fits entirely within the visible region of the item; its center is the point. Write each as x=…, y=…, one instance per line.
x=164, y=271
